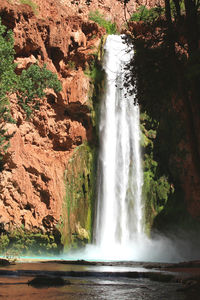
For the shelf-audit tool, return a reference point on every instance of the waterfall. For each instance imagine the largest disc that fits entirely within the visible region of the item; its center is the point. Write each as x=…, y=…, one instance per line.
x=119, y=208
x=118, y=231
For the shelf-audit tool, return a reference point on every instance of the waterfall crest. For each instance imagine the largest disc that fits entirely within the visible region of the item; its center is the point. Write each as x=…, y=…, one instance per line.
x=119, y=211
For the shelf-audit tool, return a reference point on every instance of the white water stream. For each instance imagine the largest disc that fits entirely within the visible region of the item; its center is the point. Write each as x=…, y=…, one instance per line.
x=118, y=232
x=119, y=211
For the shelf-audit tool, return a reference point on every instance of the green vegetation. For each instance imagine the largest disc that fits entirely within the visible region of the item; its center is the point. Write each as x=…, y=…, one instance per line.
x=156, y=187
x=176, y=216
x=80, y=174
x=172, y=8
x=97, y=17
x=31, y=4
x=159, y=139
x=147, y=15
x=96, y=74
x=173, y=5
x=162, y=132
x=29, y=86
x=20, y=242
x=80, y=180
x=8, y=79
x=71, y=65
x=165, y=73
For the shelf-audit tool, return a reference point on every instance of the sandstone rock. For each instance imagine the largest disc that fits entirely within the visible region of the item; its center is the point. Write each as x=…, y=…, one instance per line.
x=81, y=232
x=79, y=38
x=24, y=63
x=32, y=185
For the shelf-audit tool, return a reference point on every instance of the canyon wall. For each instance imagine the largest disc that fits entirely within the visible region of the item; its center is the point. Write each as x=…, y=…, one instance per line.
x=170, y=127
x=32, y=181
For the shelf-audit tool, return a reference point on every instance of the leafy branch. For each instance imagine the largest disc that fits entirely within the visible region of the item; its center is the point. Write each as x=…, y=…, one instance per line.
x=29, y=86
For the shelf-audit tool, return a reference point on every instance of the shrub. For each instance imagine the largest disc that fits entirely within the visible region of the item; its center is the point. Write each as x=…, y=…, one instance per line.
x=22, y=242
x=31, y=4
x=71, y=65
x=8, y=80
x=4, y=242
x=147, y=15
x=29, y=86
x=97, y=17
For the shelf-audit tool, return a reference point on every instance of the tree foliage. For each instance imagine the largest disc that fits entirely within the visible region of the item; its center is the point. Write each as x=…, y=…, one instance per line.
x=29, y=86
x=8, y=80
x=166, y=64
x=165, y=75
x=147, y=15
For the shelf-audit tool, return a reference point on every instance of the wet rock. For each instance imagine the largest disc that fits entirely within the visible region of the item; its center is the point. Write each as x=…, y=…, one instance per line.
x=47, y=281
x=4, y=262
x=157, y=276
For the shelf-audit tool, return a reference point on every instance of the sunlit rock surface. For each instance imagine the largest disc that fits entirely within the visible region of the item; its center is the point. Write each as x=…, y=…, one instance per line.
x=32, y=185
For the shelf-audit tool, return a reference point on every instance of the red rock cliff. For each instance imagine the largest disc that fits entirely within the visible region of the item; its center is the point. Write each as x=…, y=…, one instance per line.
x=32, y=183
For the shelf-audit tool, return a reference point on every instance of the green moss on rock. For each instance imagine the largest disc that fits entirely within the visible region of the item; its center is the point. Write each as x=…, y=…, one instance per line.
x=80, y=181
x=80, y=176
x=97, y=75
x=20, y=242
x=165, y=209
x=156, y=187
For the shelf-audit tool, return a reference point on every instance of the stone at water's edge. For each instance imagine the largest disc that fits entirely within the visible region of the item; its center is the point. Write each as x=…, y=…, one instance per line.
x=47, y=281
x=4, y=262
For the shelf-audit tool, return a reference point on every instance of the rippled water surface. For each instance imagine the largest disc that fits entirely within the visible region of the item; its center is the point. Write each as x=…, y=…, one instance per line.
x=93, y=288
x=96, y=282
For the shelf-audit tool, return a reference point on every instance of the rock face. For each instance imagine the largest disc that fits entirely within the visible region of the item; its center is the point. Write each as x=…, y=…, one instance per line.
x=80, y=178
x=175, y=142
x=32, y=186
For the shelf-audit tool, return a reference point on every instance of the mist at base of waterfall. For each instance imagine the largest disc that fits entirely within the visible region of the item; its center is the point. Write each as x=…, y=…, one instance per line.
x=141, y=249
x=118, y=225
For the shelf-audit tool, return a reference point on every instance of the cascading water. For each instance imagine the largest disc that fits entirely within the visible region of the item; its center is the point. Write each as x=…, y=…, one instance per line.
x=119, y=211
x=118, y=232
